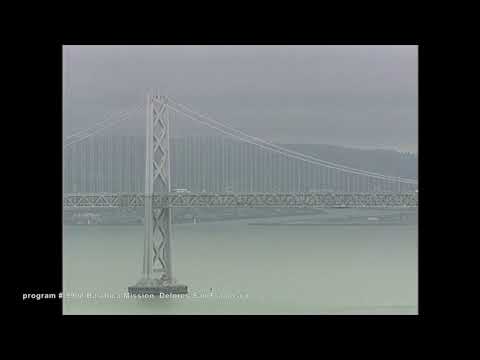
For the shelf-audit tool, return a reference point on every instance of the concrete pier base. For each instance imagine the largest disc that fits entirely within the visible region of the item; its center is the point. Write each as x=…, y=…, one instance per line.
x=156, y=287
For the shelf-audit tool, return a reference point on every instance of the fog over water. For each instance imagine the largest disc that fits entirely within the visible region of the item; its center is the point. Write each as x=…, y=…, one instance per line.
x=369, y=269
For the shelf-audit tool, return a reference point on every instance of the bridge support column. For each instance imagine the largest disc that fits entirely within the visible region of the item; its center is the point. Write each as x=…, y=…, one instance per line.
x=157, y=274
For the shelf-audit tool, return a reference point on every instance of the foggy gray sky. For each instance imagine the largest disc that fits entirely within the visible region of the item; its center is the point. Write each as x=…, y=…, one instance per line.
x=357, y=96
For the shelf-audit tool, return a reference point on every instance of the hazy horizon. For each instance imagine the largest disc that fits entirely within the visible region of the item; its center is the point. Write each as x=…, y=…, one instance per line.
x=362, y=97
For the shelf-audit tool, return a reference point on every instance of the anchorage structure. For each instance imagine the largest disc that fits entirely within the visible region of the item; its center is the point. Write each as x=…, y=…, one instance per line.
x=157, y=263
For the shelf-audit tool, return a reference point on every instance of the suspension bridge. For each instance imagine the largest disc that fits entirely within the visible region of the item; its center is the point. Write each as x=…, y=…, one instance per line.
x=158, y=198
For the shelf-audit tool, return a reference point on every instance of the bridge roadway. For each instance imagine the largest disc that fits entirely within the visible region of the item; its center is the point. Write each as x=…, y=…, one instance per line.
x=277, y=200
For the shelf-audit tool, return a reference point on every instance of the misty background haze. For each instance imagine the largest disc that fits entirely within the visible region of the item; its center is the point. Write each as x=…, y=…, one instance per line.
x=352, y=106
x=352, y=96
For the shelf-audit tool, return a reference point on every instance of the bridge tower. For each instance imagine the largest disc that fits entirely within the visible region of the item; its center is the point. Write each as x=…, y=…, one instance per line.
x=157, y=274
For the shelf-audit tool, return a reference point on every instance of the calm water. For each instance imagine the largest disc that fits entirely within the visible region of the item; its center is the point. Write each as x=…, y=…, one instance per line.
x=312, y=269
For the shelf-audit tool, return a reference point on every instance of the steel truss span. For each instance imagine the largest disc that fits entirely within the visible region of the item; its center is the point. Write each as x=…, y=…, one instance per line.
x=318, y=200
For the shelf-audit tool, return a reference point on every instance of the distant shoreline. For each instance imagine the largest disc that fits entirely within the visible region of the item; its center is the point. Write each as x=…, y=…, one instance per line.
x=328, y=224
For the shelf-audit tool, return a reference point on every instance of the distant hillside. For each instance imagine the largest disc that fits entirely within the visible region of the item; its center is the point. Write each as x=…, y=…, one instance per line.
x=215, y=164
x=387, y=162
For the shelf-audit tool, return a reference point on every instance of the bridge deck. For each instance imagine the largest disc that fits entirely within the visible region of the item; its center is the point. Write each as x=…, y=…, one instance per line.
x=318, y=200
